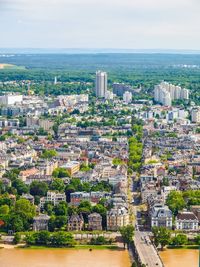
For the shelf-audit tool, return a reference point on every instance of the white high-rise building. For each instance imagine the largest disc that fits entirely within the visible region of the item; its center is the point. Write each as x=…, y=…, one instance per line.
x=127, y=97
x=185, y=94
x=165, y=93
x=101, y=84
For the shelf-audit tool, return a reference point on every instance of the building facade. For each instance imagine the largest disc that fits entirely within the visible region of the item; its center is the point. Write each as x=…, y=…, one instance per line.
x=95, y=222
x=101, y=84
x=117, y=217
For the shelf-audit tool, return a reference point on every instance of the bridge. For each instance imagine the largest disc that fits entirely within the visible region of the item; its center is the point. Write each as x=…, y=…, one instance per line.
x=146, y=252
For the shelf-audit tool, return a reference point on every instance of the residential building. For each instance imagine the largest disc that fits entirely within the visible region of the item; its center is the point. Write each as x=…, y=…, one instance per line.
x=53, y=198
x=72, y=167
x=161, y=216
x=40, y=222
x=195, y=115
x=127, y=97
x=196, y=210
x=75, y=223
x=186, y=220
x=165, y=93
x=95, y=222
x=10, y=99
x=117, y=217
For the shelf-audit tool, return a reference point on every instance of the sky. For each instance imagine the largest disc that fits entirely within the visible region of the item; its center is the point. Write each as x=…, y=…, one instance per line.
x=126, y=24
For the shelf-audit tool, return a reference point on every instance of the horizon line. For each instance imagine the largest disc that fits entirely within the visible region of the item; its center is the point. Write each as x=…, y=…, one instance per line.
x=25, y=50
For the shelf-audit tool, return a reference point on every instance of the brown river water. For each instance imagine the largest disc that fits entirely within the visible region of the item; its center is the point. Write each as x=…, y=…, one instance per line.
x=63, y=258
x=180, y=257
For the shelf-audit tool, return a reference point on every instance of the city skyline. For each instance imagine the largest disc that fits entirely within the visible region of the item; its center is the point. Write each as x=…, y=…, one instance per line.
x=114, y=24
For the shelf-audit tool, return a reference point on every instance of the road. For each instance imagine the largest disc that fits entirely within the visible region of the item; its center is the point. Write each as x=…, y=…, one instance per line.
x=146, y=251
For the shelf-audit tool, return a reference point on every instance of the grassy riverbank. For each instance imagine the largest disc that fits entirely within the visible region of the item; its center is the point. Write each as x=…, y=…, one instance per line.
x=184, y=247
x=99, y=247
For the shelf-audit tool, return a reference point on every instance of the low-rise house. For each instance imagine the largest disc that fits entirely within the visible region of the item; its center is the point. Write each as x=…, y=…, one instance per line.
x=116, y=218
x=75, y=223
x=186, y=220
x=41, y=222
x=95, y=222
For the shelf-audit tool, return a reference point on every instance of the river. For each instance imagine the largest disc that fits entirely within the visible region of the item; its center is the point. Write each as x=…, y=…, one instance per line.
x=63, y=258
x=180, y=257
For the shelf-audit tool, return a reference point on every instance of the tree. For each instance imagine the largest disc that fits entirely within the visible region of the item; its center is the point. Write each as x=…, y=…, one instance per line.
x=42, y=237
x=117, y=161
x=61, y=209
x=48, y=154
x=38, y=188
x=197, y=240
x=20, y=186
x=85, y=209
x=60, y=173
x=17, y=238
x=127, y=233
x=4, y=209
x=60, y=222
x=58, y=185
x=60, y=239
x=48, y=207
x=175, y=202
x=24, y=208
x=15, y=223
x=179, y=240
x=161, y=236
x=68, y=190
x=30, y=239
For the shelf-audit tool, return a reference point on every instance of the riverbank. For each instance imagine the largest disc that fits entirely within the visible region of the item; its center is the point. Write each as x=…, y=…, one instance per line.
x=8, y=246
x=184, y=247
x=77, y=247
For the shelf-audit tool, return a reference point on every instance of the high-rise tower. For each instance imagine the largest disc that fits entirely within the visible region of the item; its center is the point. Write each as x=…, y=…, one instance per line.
x=101, y=84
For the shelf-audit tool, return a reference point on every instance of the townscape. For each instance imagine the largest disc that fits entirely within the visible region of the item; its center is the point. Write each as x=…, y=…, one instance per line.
x=100, y=168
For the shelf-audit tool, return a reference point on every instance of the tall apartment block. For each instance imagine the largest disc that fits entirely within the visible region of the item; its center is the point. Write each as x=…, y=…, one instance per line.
x=101, y=84
x=165, y=93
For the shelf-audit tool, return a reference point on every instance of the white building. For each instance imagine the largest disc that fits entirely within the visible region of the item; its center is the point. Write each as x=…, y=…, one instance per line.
x=127, y=97
x=10, y=99
x=195, y=115
x=53, y=198
x=101, y=84
x=161, y=216
x=109, y=95
x=165, y=93
x=186, y=220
